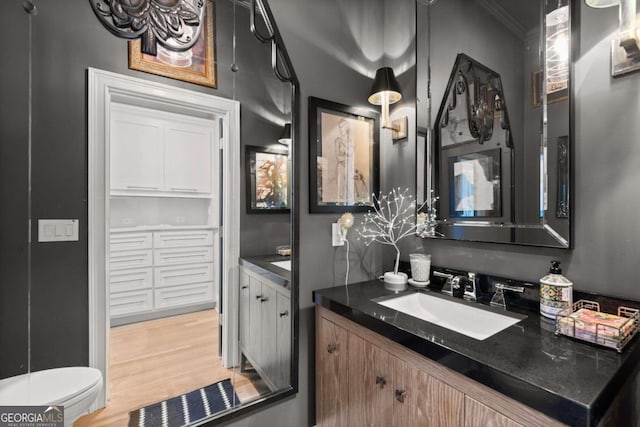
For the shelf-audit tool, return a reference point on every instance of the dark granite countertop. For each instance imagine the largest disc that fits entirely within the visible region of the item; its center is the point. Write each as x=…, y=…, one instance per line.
x=571, y=381
x=263, y=265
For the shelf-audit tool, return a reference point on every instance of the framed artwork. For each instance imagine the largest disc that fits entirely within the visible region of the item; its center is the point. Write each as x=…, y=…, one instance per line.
x=475, y=181
x=562, y=201
x=196, y=65
x=267, y=176
x=559, y=94
x=343, y=157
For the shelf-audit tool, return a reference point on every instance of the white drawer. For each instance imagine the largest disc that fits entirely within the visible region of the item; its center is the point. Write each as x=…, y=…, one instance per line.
x=130, y=280
x=130, y=241
x=130, y=259
x=184, y=295
x=130, y=302
x=178, y=239
x=183, y=274
x=182, y=256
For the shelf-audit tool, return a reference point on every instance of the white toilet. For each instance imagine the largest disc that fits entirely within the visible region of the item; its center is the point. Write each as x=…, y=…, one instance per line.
x=75, y=388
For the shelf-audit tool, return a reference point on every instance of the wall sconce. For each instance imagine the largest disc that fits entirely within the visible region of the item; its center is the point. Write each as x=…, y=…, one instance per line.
x=386, y=91
x=285, y=136
x=557, y=49
x=625, y=48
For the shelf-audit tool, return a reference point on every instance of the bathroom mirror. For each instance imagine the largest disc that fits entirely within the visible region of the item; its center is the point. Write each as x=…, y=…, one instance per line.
x=48, y=169
x=494, y=120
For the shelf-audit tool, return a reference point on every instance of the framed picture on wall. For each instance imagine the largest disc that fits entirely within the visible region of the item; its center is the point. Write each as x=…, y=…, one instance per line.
x=343, y=157
x=196, y=65
x=559, y=94
x=475, y=181
x=267, y=176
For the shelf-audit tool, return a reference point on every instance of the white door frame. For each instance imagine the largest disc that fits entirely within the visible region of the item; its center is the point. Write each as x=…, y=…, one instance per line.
x=105, y=88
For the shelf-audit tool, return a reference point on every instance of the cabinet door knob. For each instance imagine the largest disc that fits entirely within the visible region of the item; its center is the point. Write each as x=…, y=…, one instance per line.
x=381, y=381
x=331, y=348
x=264, y=299
x=284, y=313
x=258, y=296
x=400, y=395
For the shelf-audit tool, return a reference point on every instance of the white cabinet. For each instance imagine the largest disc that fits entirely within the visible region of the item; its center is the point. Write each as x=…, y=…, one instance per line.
x=265, y=328
x=188, y=154
x=136, y=155
x=156, y=271
x=282, y=375
x=158, y=153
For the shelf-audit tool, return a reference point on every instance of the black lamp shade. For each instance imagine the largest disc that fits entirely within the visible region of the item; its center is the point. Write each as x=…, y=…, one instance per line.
x=385, y=82
x=285, y=136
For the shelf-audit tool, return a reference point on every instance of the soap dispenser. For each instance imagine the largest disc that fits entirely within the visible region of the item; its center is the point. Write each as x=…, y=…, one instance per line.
x=556, y=292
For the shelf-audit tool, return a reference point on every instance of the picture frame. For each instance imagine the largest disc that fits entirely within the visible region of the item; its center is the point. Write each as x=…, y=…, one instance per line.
x=196, y=65
x=559, y=95
x=344, y=157
x=475, y=184
x=267, y=179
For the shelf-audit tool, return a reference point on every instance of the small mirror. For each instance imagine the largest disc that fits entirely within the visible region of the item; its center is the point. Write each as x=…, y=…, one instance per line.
x=495, y=130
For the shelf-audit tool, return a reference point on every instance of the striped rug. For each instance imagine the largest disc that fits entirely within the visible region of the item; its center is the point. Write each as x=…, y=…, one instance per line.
x=188, y=408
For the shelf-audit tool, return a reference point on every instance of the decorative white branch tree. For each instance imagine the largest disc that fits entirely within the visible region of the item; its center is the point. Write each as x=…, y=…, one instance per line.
x=392, y=219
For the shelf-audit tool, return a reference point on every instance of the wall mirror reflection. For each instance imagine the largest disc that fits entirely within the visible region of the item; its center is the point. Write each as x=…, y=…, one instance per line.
x=495, y=127
x=132, y=251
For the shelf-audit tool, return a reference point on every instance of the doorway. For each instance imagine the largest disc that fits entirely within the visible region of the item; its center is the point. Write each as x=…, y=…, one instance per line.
x=191, y=258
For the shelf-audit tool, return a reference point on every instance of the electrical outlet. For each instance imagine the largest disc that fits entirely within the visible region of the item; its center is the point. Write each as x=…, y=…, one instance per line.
x=336, y=235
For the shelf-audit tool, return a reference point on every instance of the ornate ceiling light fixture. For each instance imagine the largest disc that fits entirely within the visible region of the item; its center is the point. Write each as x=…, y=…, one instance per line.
x=174, y=24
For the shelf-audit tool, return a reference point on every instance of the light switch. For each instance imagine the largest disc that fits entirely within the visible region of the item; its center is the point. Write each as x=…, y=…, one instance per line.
x=57, y=230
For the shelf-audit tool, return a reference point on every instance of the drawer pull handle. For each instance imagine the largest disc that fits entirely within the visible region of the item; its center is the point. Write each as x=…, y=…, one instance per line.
x=400, y=395
x=141, y=187
x=332, y=348
x=284, y=313
x=258, y=296
x=264, y=299
x=183, y=189
x=380, y=381
x=244, y=287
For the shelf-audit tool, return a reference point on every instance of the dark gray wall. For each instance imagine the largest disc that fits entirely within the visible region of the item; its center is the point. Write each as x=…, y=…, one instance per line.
x=67, y=39
x=14, y=226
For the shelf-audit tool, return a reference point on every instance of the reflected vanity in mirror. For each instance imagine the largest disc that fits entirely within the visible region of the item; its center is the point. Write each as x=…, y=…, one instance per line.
x=496, y=128
x=154, y=170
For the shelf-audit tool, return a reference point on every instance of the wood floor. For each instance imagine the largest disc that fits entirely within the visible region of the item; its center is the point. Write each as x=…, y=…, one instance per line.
x=155, y=360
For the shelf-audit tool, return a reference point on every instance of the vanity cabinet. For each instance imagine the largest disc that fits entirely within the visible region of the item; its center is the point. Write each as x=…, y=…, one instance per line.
x=155, y=153
x=265, y=328
x=363, y=378
x=157, y=273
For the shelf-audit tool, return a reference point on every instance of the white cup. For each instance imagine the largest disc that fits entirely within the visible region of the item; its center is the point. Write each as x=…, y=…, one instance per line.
x=420, y=267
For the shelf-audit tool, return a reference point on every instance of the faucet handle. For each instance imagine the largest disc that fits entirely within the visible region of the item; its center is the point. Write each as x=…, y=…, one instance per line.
x=503, y=287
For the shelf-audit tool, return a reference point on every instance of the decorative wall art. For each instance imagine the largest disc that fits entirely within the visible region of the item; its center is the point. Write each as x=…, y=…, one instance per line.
x=195, y=65
x=267, y=179
x=536, y=91
x=343, y=157
x=475, y=184
x=173, y=24
x=562, y=203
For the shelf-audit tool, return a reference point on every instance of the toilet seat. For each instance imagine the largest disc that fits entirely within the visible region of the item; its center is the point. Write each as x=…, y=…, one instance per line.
x=60, y=386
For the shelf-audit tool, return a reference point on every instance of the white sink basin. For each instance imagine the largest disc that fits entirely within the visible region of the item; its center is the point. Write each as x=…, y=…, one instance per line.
x=470, y=321
x=283, y=264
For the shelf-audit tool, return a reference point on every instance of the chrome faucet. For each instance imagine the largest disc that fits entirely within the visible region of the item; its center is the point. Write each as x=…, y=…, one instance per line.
x=459, y=285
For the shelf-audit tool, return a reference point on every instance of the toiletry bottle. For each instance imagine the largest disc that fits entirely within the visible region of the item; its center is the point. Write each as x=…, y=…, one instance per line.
x=556, y=292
